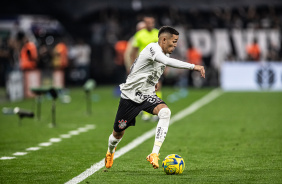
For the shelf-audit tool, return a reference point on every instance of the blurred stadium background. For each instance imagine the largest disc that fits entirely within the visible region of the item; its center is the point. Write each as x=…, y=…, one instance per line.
x=236, y=138
x=220, y=30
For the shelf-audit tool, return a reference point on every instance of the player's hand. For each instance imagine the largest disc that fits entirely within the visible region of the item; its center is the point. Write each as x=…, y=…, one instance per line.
x=201, y=69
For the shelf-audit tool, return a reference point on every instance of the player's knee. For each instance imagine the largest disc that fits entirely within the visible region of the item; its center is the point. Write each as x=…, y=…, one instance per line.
x=118, y=135
x=164, y=113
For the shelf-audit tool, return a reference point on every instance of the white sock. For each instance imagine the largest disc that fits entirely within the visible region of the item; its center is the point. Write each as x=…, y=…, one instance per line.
x=113, y=142
x=162, y=128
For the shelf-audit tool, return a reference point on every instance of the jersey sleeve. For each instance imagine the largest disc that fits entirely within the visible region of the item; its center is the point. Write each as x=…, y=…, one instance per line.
x=162, y=58
x=154, y=50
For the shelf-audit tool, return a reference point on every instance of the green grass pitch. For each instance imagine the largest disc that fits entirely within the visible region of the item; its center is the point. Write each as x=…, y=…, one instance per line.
x=236, y=138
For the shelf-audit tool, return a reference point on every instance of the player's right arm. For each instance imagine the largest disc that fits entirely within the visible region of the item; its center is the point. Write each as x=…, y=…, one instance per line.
x=134, y=54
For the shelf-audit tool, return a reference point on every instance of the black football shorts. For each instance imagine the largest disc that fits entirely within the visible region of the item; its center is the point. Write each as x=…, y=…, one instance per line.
x=128, y=110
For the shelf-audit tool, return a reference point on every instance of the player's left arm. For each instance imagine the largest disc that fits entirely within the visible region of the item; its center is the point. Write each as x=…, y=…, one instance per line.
x=179, y=64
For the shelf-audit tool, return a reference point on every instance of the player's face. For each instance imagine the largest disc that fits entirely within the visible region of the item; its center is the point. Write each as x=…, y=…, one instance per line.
x=171, y=44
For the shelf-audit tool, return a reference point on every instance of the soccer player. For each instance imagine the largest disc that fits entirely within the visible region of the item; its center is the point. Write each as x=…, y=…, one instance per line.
x=138, y=92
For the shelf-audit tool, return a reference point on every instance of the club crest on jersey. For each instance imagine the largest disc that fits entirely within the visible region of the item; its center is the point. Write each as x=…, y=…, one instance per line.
x=122, y=124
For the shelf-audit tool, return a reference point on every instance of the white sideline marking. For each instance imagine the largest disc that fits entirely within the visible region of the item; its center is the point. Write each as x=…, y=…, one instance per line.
x=20, y=153
x=90, y=126
x=32, y=149
x=65, y=136
x=139, y=140
x=45, y=144
x=53, y=140
x=83, y=129
x=74, y=132
x=7, y=158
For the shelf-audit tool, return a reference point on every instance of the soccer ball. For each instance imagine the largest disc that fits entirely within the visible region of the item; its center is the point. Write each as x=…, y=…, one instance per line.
x=173, y=164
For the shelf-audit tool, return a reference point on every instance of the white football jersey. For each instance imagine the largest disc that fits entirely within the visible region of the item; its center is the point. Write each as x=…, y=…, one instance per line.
x=145, y=74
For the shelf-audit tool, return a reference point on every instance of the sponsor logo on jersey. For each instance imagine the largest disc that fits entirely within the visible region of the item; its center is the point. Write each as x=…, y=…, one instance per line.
x=152, y=51
x=149, y=98
x=122, y=124
x=153, y=78
x=150, y=82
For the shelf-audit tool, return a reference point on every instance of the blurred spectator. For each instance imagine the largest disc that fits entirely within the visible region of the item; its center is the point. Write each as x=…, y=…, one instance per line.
x=5, y=60
x=44, y=57
x=120, y=71
x=252, y=18
x=60, y=55
x=194, y=57
x=127, y=59
x=253, y=51
x=28, y=64
x=273, y=53
x=237, y=22
x=60, y=62
x=28, y=53
x=120, y=48
x=81, y=53
x=14, y=33
x=45, y=64
x=81, y=57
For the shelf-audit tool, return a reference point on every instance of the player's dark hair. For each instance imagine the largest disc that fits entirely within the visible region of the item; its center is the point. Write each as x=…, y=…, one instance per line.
x=167, y=29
